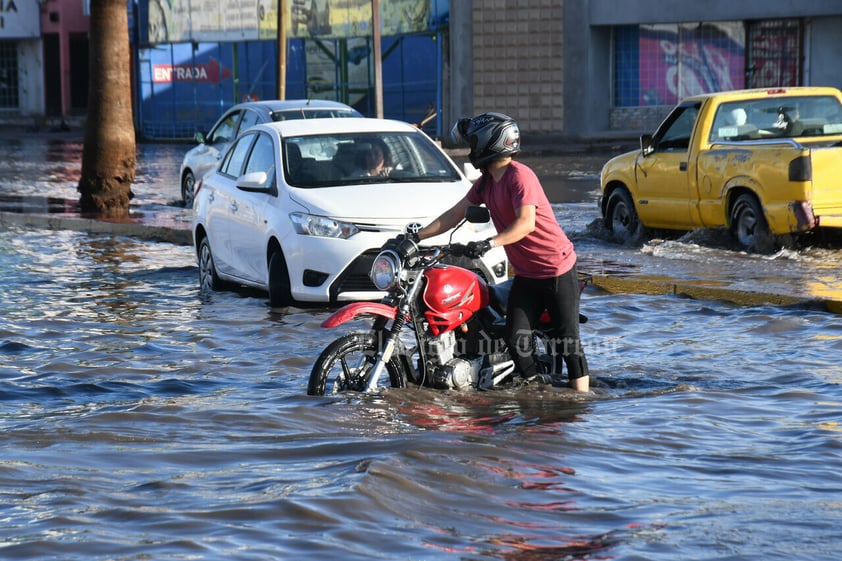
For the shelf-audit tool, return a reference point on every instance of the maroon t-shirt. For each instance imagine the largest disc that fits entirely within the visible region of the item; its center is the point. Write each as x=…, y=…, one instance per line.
x=545, y=252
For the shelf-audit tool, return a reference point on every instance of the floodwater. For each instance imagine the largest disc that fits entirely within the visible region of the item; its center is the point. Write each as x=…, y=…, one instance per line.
x=140, y=421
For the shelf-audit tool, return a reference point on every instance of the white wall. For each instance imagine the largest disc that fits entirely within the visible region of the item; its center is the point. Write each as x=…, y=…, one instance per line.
x=31, y=77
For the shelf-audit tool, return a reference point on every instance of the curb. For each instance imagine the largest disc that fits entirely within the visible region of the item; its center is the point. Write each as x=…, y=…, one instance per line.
x=124, y=228
x=698, y=291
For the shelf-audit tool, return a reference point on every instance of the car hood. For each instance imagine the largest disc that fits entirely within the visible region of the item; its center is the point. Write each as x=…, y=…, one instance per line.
x=384, y=202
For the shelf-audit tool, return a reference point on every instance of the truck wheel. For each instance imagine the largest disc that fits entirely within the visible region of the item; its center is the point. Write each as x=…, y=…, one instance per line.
x=621, y=218
x=749, y=226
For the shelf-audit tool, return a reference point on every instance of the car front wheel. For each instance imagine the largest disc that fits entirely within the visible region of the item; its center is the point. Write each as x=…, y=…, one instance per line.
x=209, y=280
x=188, y=188
x=279, y=286
x=749, y=226
x=621, y=218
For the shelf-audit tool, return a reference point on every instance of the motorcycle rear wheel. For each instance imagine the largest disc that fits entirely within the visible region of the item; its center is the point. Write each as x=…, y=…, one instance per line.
x=346, y=364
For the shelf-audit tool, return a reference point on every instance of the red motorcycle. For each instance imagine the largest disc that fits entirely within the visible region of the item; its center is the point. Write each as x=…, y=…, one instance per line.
x=438, y=325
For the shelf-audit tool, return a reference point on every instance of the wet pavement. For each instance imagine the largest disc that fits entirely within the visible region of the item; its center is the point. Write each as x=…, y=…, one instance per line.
x=142, y=419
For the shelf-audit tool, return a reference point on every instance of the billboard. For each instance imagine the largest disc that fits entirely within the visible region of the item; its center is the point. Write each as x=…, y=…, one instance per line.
x=182, y=21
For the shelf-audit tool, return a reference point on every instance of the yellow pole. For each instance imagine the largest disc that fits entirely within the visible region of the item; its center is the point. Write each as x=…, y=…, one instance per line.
x=282, y=50
x=378, y=67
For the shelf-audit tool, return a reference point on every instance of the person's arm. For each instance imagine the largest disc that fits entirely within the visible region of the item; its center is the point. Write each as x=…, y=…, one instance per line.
x=448, y=220
x=522, y=226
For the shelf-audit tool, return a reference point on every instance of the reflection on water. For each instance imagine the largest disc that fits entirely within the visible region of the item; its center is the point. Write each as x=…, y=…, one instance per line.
x=45, y=166
x=138, y=421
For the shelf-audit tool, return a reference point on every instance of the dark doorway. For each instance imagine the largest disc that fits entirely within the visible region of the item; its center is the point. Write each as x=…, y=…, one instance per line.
x=78, y=73
x=52, y=75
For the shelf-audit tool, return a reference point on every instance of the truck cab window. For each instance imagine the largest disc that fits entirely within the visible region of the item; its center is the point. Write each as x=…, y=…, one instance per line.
x=674, y=135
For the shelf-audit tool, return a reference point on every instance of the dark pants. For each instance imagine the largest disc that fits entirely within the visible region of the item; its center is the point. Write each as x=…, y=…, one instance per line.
x=560, y=297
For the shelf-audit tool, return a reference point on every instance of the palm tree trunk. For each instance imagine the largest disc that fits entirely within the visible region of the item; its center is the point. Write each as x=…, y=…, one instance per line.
x=109, y=154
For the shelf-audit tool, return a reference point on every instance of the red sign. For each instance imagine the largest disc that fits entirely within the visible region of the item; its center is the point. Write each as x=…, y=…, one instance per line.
x=212, y=71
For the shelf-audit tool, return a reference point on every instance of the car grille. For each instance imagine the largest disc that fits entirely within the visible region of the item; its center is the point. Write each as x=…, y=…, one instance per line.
x=355, y=277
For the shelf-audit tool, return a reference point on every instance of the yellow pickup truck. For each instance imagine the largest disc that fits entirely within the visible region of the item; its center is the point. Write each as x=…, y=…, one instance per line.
x=763, y=163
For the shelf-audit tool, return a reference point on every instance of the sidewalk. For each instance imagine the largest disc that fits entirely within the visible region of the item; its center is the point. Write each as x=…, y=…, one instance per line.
x=157, y=223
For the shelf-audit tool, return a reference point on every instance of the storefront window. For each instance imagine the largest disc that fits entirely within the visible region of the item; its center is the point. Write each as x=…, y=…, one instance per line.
x=774, y=53
x=9, y=75
x=662, y=64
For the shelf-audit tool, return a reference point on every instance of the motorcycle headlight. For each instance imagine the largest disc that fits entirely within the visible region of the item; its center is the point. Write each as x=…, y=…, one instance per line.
x=322, y=226
x=385, y=270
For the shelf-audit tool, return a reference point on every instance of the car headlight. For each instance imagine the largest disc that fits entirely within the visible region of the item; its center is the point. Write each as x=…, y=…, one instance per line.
x=385, y=270
x=321, y=226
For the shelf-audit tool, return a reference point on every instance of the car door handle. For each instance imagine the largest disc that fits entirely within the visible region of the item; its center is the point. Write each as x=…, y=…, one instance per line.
x=682, y=166
x=210, y=198
x=234, y=207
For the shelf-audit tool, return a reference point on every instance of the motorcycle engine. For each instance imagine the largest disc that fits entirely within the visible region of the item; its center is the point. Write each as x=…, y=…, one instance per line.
x=441, y=349
x=458, y=374
x=450, y=371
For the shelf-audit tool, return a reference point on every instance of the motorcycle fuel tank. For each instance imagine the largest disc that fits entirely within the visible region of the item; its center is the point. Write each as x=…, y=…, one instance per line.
x=452, y=296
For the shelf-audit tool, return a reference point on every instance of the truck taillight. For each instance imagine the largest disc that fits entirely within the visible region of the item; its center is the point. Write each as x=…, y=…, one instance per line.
x=801, y=169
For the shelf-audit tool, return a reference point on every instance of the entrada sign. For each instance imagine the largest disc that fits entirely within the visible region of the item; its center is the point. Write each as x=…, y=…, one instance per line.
x=212, y=71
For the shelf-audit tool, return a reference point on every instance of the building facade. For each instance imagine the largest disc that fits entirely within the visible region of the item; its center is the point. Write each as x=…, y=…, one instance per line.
x=43, y=61
x=583, y=69
x=569, y=69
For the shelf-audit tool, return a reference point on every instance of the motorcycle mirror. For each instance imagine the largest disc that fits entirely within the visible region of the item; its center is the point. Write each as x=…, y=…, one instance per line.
x=477, y=214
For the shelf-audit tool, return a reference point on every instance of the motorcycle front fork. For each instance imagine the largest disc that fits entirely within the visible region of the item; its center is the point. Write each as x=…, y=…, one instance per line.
x=383, y=357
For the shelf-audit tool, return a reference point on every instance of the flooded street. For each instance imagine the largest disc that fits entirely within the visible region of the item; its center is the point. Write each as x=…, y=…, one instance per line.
x=140, y=421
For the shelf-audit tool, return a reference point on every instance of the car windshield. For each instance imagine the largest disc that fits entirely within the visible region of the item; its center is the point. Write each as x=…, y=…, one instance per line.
x=785, y=117
x=313, y=113
x=331, y=160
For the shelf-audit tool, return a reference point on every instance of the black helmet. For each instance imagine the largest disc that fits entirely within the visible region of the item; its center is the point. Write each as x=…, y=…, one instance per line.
x=491, y=136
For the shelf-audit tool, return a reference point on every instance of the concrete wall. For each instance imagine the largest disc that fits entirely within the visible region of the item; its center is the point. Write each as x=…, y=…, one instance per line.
x=823, y=52
x=518, y=61
x=31, y=78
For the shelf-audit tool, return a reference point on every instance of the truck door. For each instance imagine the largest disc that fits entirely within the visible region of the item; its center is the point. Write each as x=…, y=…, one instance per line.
x=664, y=186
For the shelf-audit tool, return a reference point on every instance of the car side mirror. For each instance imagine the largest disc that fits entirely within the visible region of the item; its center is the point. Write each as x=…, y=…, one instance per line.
x=470, y=171
x=199, y=138
x=476, y=214
x=254, y=181
x=646, y=144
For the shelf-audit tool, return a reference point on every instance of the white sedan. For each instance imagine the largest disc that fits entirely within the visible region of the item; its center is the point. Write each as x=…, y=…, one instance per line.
x=203, y=157
x=292, y=208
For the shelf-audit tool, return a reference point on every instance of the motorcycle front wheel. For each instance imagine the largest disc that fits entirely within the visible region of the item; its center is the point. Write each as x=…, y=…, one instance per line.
x=346, y=364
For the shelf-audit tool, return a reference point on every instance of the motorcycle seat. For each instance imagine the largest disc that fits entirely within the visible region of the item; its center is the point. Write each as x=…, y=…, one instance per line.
x=499, y=294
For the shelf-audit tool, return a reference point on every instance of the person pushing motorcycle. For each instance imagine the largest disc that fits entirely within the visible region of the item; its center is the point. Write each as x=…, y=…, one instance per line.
x=541, y=255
